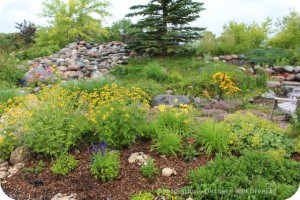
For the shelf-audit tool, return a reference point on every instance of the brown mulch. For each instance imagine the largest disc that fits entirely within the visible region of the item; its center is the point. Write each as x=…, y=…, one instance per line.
x=44, y=186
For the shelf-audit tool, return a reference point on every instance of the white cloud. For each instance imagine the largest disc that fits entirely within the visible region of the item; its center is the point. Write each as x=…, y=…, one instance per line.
x=217, y=13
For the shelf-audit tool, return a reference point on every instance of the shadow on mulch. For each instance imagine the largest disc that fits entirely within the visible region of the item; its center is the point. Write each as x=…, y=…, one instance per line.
x=44, y=186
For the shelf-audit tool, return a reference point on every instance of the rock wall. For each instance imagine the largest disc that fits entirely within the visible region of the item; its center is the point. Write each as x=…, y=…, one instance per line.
x=80, y=60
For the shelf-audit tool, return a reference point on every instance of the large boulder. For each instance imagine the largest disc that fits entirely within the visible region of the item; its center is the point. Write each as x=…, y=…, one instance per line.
x=40, y=73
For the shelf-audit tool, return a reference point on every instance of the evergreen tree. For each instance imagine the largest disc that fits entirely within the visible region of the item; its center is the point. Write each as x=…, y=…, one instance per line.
x=165, y=24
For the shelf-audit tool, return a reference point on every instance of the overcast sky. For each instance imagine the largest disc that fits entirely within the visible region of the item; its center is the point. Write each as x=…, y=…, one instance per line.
x=217, y=13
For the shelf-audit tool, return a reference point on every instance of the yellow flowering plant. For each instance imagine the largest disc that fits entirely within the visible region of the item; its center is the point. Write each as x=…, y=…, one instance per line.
x=224, y=85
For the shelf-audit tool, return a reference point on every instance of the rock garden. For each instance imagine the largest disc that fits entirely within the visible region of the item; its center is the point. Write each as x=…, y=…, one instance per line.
x=95, y=121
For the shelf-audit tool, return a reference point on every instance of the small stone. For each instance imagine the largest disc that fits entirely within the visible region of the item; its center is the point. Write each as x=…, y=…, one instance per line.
x=190, y=198
x=76, y=152
x=273, y=84
x=227, y=58
x=297, y=69
x=61, y=196
x=138, y=157
x=168, y=172
x=199, y=58
x=4, y=164
x=73, y=68
x=3, y=175
x=290, y=77
x=20, y=155
x=289, y=69
x=215, y=59
x=297, y=77
x=5, y=168
x=233, y=56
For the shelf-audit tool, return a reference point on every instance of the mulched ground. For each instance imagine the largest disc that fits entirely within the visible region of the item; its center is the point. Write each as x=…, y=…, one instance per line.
x=44, y=186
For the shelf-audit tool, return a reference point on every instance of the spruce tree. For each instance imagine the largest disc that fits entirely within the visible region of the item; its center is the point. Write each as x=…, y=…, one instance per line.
x=165, y=24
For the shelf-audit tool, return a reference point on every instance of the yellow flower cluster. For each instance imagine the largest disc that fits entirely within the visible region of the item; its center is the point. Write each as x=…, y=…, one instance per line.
x=225, y=83
x=183, y=108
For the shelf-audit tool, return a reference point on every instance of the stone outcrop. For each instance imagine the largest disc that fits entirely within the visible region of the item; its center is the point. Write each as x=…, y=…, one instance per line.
x=78, y=61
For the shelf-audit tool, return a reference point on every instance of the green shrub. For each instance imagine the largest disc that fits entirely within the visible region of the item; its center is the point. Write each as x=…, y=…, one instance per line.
x=254, y=175
x=105, y=165
x=56, y=124
x=84, y=85
x=118, y=125
x=213, y=137
x=142, y=196
x=37, y=169
x=7, y=144
x=167, y=141
x=266, y=56
x=247, y=131
x=8, y=69
x=189, y=152
x=155, y=71
x=149, y=169
x=64, y=164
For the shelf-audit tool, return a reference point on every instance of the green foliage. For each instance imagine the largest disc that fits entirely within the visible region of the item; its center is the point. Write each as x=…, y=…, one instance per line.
x=118, y=125
x=39, y=168
x=189, y=152
x=9, y=75
x=287, y=35
x=167, y=141
x=64, y=164
x=159, y=28
x=70, y=19
x=249, y=132
x=27, y=31
x=155, y=71
x=86, y=85
x=35, y=52
x=240, y=37
x=149, y=169
x=213, y=137
x=266, y=56
x=118, y=31
x=207, y=44
x=142, y=196
x=56, y=124
x=8, y=41
x=253, y=174
x=7, y=144
x=105, y=166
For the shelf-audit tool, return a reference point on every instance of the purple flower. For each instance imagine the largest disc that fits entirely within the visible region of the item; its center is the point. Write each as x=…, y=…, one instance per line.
x=102, y=146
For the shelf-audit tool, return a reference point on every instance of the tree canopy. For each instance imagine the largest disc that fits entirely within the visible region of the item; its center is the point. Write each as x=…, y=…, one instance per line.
x=165, y=24
x=67, y=19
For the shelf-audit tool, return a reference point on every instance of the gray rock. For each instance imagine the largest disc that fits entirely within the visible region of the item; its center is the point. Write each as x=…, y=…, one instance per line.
x=145, y=55
x=65, y=50
x=241, y=57
x=3, y=175
x=96, y=75
x=39, y=73
x=4, y=164
x=269, y=95
x=20, y=155
x=278, y=68
x=215, y=59
x=297, y=77
x=233, y=56
x=168, y=172
x=289, y=69
x=273, y=84
x=173, y=100
x=291, y=83
x=221, y=57
x=297, y=69
x=138, y=157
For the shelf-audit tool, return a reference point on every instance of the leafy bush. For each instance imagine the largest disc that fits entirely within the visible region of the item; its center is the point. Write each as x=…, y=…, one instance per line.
x=253, y=174
x=63, y=164
x=155, y=71
x=213, y=137
x=9, y=74
x=167, y=141
x=7, y=144
x=142, y=196
x=247, y=131
x=37, y=169
x=266, y=56
x=56, y=123
x=149, y=169
x=105, y=165
x=86, y=85
x=189, y=152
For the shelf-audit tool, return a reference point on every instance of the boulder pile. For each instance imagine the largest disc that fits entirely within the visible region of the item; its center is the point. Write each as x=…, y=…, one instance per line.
x=79, y=60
